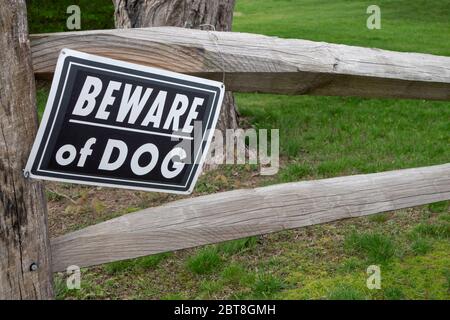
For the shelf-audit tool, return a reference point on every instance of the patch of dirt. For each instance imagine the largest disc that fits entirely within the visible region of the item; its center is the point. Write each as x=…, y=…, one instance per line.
x=71, y=206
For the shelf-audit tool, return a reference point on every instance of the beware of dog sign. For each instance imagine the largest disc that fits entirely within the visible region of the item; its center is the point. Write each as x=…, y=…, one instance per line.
x=118, y=124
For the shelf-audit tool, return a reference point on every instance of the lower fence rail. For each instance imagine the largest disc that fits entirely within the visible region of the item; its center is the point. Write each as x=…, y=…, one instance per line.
x=235, y=214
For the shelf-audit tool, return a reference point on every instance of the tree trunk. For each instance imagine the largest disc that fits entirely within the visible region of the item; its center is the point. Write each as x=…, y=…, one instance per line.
x=182, y=13
x=24, y=246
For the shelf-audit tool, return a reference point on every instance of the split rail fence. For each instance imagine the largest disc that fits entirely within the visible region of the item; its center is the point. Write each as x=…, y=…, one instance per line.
x=254, y=63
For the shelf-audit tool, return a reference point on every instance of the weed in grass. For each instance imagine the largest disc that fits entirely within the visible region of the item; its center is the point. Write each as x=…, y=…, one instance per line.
x=141, y=263
x=351, y=264
x=274, y=263
x=437, y=207
x=60, y=286
x=111, y=283
x=379, y=218
x=376, y=247
x=209, y=288
x=117, y=267
x=205, y=261
x=421, y=245
x=393, y=293
x=266, y=286
x=237, y=246
x=235, y=274
x=345, y=292
x=294, y=172
x=434, y=230
x=151, y=262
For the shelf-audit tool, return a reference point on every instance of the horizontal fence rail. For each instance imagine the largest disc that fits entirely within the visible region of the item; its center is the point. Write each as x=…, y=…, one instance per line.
x=257, y=63
x=240, y=213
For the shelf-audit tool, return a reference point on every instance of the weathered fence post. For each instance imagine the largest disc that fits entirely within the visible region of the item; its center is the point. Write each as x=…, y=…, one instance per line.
x=25, y=269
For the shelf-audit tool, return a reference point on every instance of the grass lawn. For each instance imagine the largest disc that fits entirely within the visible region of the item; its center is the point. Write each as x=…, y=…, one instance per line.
x=319, y=137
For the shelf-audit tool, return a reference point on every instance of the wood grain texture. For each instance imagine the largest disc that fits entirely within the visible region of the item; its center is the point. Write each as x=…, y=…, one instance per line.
x=193, y=14
x=23, y=209
x=257, y=63
x=240, y=213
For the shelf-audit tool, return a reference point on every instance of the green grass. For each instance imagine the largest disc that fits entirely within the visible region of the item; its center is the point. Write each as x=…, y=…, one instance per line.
x=41, y=100
x=345, y=292
x=143, y=263
x=419, y=25
x=393, y=293
x=412, y=277
x=351, y=264
x=51, y=16
x=205, y=261
x=237, y=246
x=435, y=230
x=437, y=207
x=421, y=246
x=330, y=136
x=317, y=262
x=319, y=137
x=266, y=286
x=377, y=248
x=235, y=275
x=380, y=217
x=209, y=288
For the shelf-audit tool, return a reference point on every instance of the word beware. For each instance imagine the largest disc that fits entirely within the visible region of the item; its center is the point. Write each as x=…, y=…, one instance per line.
x=112, y=123
x=132, y=104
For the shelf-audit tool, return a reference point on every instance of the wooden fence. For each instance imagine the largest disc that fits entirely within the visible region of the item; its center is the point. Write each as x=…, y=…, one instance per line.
x=255, y=63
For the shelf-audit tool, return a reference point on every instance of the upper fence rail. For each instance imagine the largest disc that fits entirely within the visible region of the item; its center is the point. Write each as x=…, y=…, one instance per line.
x=257, y=63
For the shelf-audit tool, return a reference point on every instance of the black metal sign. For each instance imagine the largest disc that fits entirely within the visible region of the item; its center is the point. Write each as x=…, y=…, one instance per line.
x=118, y=124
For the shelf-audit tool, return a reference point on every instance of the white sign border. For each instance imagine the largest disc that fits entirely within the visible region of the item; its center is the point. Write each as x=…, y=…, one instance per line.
x=65, y=53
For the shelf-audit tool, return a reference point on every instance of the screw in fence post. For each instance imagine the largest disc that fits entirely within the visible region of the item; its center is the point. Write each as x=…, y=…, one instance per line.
x=26, y=174
x=33, y=266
